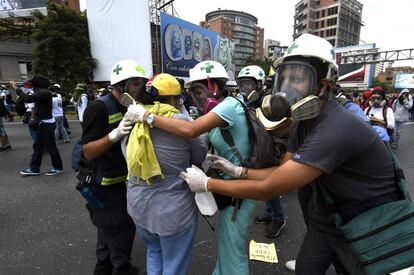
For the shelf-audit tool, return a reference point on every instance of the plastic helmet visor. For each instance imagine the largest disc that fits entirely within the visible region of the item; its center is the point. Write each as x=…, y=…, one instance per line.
x=295, y=80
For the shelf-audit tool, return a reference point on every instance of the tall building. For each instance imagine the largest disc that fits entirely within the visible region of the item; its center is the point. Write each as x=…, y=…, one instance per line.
x=242, y=28
x=338, y=21
x=273, y=50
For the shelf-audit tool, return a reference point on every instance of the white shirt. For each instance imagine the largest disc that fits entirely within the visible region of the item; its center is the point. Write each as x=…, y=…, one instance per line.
x=377, y=112
x=57, y=109
x=82, y=104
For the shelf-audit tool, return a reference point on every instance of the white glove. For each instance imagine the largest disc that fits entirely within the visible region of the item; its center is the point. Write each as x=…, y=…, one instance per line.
x=195, y=178
x=123, y=129
x=135, y=113
x=224, y=165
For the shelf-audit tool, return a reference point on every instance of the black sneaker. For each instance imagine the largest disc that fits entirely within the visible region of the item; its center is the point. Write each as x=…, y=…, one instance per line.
x=264, y=219
x=274, y=228
x=29, y=172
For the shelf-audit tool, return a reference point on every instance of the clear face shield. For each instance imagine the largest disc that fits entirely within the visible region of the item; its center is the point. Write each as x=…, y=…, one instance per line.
x=294, y=92
x=248, y=89
x=202, y=98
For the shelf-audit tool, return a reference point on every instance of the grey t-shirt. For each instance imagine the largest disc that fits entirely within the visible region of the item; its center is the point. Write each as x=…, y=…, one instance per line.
x=357, y=167
x=166, y=206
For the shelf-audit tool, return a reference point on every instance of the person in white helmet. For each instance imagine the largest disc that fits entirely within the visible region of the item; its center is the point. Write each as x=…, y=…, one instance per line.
x=322, y=151
x=250, y=81
x=207, y=82
x=103, y=127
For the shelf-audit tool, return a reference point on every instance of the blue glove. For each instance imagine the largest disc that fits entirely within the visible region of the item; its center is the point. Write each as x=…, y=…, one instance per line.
x=382, y=132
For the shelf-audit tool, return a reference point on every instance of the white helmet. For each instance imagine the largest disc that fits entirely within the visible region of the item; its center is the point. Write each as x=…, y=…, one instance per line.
x=253, y=71
x=308, y=45
x=126, y=69
x=207, y=69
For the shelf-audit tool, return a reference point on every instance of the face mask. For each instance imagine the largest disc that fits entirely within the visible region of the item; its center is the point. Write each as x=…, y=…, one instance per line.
x=248, y=89
x=203, y=98
x=377, y=102
x=294, y=93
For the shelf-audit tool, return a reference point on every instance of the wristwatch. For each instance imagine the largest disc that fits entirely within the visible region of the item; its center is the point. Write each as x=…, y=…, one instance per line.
x=150, y=120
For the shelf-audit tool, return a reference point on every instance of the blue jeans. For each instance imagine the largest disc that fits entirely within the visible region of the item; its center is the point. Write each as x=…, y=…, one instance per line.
x=399, y=128
x=169, y=255
x=274, y=210
x=60, y=129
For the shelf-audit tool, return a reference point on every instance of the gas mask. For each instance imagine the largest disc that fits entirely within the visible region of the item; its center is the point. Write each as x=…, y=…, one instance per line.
x=248, y=89
x=203, y=98
x=294, y=93
x=134, y=86
x=376, y=101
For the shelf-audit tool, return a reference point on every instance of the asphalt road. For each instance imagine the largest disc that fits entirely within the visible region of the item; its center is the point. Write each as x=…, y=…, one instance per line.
x=45, y=228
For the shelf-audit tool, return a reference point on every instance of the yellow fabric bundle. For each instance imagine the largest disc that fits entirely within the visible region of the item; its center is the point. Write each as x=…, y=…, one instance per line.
x=141, y=159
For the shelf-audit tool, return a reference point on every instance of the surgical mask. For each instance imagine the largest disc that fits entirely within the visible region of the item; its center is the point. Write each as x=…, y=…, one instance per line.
x=294, y=93
x=203, y=98
x=248, y=89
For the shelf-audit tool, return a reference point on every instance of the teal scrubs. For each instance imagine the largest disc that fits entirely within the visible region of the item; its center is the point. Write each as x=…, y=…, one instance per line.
x=232, y=255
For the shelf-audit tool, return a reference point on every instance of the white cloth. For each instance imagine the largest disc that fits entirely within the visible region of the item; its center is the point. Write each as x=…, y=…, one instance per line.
x=377, y=112
x=57, y=109
x=82, y=104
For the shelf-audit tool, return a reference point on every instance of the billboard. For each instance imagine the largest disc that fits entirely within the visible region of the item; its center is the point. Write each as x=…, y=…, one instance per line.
x=357, y=76
x=119, y=29
x=184, y=44
x=21, y=8
x=403, y=81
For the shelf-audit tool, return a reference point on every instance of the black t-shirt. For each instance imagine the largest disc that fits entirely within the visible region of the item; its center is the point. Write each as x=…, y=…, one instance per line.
x=357, y=168
x=95, y=120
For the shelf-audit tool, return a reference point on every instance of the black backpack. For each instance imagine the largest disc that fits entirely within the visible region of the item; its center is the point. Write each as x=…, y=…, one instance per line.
x=3, y=110
x=262, y=154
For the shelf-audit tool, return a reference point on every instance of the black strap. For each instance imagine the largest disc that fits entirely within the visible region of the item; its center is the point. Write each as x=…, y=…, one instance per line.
x=228, y=138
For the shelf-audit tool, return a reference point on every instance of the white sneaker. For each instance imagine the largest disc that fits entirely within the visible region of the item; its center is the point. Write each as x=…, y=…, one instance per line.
x=290, y=265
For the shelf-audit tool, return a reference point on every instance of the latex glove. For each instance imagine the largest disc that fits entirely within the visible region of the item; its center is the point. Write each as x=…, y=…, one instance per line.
x=195, y=178
x=123, y=129
x=224, y=165
x=135, y=113
x=382, y=133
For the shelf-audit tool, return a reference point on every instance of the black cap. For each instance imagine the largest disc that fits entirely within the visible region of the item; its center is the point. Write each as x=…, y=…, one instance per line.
x=40, y=81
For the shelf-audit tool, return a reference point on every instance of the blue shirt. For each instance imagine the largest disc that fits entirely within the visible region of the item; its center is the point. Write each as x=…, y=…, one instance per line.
x=231, y=111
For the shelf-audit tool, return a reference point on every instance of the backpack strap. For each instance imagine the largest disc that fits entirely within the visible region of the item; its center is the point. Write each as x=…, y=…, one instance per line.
x=384, y=114
x=228, y=138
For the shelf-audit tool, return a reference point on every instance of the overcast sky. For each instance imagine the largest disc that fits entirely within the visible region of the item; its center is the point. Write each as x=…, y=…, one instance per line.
x=389, y=24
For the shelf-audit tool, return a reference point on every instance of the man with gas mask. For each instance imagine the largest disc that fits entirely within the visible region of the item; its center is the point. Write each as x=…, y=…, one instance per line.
x=327, y=148
x=401, y=107
x=378, y=111
x=250, y=81
x=103, y=128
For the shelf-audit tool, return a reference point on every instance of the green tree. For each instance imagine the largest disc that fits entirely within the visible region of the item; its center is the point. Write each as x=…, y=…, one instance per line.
x=63, y=49
x=375, y=83
x=263, y=63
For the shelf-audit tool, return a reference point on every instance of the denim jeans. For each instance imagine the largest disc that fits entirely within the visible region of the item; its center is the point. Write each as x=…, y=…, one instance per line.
x=45, y=138
x=319, y=249
x=169, y=255
x=399, y=128
x=60, y=129
x=274, y=209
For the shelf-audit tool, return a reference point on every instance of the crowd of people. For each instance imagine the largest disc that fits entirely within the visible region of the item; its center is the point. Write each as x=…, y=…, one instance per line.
x=143, y=154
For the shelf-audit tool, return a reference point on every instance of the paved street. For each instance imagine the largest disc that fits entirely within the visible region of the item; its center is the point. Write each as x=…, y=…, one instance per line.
x=45, y=228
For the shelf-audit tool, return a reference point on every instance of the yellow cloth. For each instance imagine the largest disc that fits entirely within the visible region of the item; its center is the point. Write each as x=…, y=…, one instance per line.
x=141, y=159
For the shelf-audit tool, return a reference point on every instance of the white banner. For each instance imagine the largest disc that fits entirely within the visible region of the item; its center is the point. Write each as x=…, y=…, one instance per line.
x=119, y=29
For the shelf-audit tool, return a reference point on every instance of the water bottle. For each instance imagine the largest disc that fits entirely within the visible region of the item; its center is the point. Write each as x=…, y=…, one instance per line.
x=206, y=203
x=90, y=196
